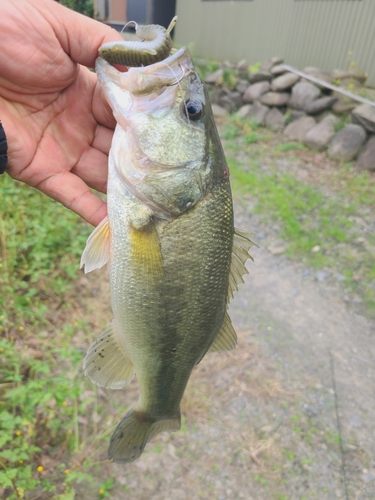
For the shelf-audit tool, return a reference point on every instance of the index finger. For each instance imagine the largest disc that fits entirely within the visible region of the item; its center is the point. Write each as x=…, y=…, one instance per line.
x=79, y=35
x=72, y=192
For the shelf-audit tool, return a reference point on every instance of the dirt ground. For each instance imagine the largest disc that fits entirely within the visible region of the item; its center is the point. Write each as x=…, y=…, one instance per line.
x=288, y=415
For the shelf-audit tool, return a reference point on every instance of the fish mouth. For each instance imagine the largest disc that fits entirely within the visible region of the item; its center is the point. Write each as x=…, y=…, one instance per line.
x=176, y=59
x=167, y=73
x=146, y=80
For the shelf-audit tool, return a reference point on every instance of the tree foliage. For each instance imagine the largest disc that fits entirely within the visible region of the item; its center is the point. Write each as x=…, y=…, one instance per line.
x=85, y=7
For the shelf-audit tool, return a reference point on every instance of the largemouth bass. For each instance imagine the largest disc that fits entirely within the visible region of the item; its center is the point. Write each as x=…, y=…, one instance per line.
x=174, y=256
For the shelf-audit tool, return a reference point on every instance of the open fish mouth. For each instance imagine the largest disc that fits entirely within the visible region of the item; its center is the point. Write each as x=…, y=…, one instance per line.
x=146, y=80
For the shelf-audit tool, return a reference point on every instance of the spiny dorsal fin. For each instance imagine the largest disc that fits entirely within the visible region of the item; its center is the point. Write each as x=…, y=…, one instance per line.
x=240, y=253
x=106, y=363
x=226, y=339
x=96, y=252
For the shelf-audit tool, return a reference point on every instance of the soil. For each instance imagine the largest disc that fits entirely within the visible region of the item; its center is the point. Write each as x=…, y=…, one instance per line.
x=288, y=415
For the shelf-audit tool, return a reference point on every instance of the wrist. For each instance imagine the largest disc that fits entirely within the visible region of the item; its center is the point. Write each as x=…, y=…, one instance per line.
x=3, y=150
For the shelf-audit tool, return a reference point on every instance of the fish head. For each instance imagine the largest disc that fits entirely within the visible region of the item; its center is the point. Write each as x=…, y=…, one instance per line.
x=165, y=148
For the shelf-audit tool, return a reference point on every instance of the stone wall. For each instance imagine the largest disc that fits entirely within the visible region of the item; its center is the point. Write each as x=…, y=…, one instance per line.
x=283, y=102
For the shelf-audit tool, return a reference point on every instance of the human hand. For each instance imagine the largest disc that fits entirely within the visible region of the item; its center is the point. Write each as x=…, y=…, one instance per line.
x=58, y=126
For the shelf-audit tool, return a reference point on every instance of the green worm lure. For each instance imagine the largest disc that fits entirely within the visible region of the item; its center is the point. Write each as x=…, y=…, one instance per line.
x=154, y=45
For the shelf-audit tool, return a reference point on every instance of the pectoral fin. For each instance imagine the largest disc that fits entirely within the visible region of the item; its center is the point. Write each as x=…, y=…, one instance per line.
x=146, y=251
x=96, y=252
x=106, y=363
x=240, y=253
x=226, y=339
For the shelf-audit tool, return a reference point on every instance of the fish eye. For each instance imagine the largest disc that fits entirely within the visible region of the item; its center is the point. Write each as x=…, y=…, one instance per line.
x=193, y=109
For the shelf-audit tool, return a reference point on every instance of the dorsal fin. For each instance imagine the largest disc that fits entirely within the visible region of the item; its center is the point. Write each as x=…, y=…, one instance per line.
x=240, y=253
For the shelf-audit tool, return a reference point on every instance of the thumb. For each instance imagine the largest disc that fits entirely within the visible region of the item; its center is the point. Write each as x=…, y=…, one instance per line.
x=79, y=35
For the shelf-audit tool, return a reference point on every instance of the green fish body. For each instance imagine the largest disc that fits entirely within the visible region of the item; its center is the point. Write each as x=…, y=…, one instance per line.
x=174, y=256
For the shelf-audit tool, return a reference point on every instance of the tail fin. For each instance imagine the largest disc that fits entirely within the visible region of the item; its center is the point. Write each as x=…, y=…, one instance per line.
x=133, y=433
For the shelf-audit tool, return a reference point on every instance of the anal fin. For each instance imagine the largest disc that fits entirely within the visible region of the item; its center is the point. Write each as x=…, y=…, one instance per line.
x=226, y=339
x=106, y=363
x=96, y=252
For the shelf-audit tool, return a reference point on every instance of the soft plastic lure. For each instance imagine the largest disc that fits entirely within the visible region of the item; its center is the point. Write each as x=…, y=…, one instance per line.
x=154, y=45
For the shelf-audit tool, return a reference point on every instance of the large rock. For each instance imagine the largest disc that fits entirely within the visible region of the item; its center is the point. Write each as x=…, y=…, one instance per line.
x=318, y=73
x=244, y=111
x=284, y=82
x=260, y=76
x=242, y=85
x=366, y=160
x=297, y=130
x=274, y=120
x=365, y=115
x=275, y=98
x=338, y=74
x=303, y=93
x=346, y=143
x=215, y=78
x=295, y=114
x=227, y=103
x=320, y=105
x=226, y=99
x=243, y=68
x=319, y=135
x=218, y=94
x=266, y=66
x=255, y=91
x=218, y=111
x=257, y=113
x=279, y=69
x=343, y=105
x=236, y=98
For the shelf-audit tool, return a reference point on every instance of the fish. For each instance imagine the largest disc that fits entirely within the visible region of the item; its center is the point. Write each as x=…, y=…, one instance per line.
x=174, y=257
x=155, y=44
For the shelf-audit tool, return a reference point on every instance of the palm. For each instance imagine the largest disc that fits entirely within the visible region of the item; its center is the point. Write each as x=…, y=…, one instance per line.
x=56, y=115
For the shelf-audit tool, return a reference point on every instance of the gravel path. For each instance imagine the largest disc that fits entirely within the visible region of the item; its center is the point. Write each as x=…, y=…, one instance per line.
x=325, y=353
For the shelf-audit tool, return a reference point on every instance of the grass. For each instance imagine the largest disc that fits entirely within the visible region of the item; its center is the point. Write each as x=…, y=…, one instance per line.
x=39, y=253
x=319, y=225
x=45, y=432
x=289, y=146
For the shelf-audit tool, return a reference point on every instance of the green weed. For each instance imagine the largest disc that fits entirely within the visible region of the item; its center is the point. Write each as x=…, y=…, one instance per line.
x=231, y=131
x=289, y=455
x=43, y=398
x=40, y=245
x=106, y=487
x=253, y=137
x=290, y=146
x=254, y=68
x=341, y=123
x=259, y=479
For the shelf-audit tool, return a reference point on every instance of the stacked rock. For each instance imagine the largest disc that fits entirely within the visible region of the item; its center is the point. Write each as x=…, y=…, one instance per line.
x=282, y=101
